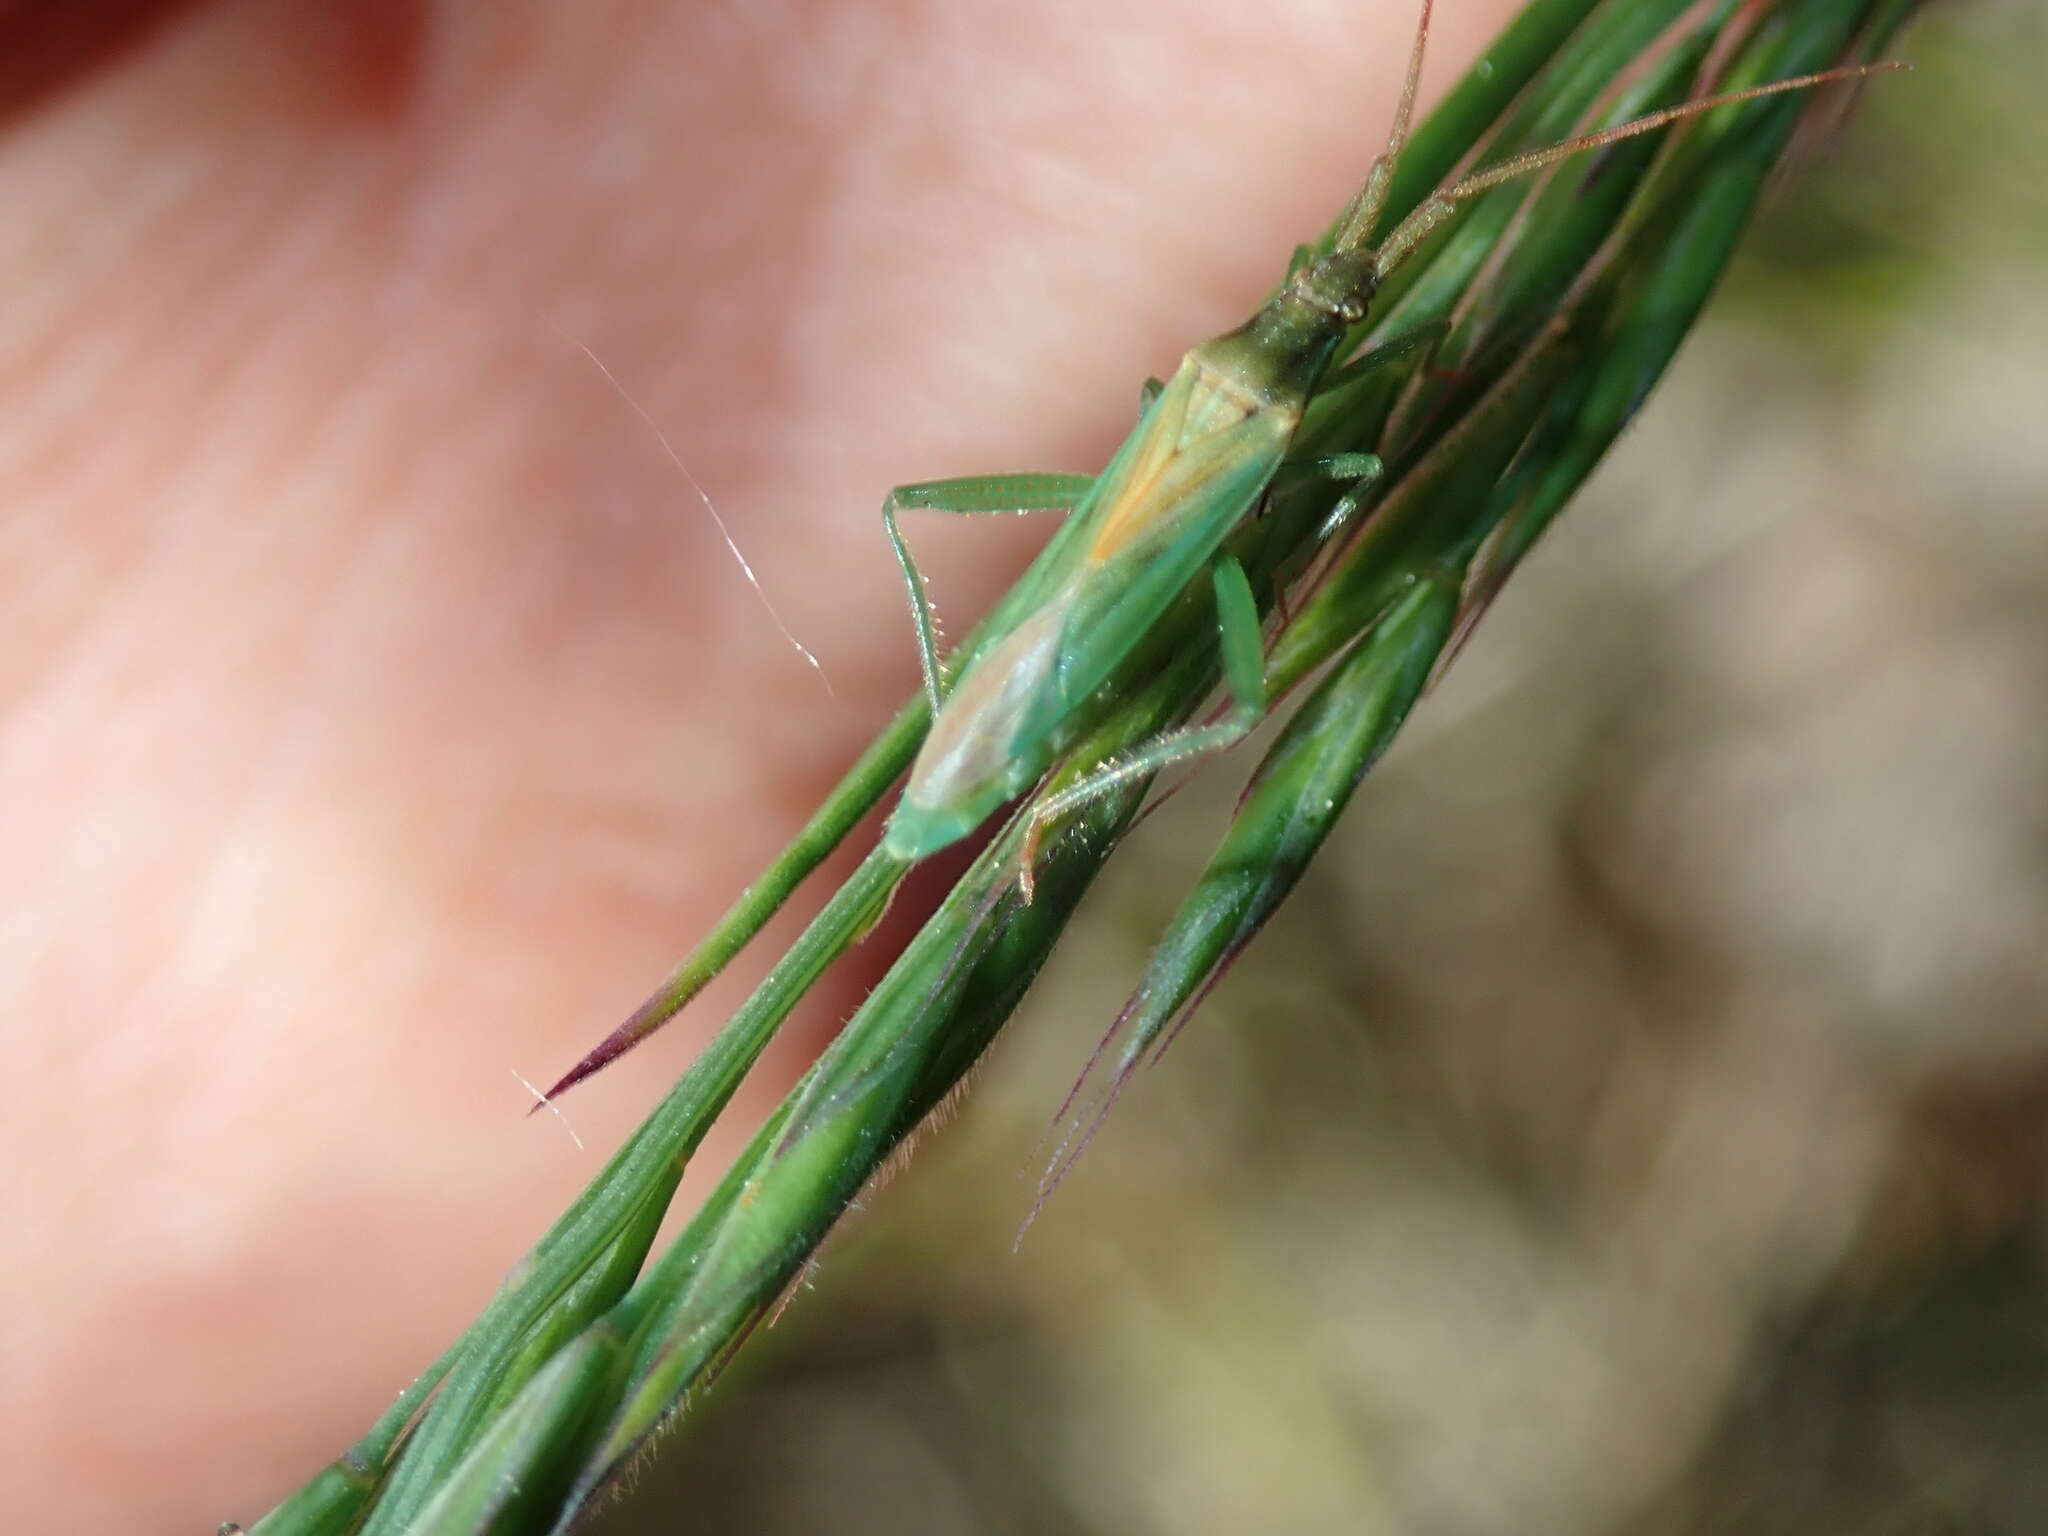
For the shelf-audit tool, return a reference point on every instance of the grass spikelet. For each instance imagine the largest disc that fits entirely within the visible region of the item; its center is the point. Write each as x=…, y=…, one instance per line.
x=1516, y=345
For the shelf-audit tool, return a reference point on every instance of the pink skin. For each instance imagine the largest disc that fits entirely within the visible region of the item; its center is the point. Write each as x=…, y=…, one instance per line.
x=381, y=714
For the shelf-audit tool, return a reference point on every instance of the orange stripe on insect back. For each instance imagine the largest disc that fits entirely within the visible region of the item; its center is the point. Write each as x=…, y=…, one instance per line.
x=1135, y=511
x=1207, y=406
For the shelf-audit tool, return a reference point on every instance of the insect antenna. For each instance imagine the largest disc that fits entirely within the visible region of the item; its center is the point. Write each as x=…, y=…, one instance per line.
x=1416, y=228
x=1364, y=211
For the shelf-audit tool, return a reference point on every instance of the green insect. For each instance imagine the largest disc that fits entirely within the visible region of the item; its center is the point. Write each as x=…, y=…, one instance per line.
x=1205, y=453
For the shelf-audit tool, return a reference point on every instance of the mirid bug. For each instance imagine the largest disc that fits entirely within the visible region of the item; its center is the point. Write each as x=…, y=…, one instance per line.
x=1206, y=450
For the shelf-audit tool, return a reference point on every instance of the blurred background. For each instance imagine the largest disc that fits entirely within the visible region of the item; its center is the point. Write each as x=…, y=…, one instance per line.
x=1639, y=1121
x=1634, y=1125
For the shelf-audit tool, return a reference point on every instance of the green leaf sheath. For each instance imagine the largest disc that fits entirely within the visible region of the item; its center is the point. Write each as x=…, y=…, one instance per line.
x=900, y=1054
x=528, y=1455
x=1299, y=792
x=1631, y=327
x=589, y=1258
x=848, y=801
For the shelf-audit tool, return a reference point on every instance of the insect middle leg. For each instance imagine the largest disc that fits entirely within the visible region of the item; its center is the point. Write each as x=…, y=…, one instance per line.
x=1362, y=470
x=977, y=495
x=1242, y=641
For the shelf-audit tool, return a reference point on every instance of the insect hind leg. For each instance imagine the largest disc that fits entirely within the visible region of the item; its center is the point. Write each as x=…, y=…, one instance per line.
x=1242, y=640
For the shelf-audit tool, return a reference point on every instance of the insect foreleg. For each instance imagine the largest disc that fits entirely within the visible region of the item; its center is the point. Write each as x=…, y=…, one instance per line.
x=972, y=496
x=1243, y=644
